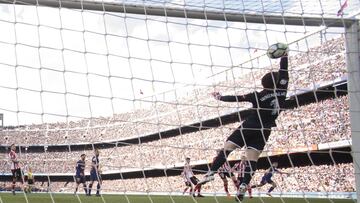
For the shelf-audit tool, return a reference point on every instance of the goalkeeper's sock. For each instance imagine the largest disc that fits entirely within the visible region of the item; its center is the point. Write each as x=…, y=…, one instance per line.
x=220, y=160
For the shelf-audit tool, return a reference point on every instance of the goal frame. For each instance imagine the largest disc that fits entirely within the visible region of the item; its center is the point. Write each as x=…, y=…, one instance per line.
x=206, y=14
x=352, y=40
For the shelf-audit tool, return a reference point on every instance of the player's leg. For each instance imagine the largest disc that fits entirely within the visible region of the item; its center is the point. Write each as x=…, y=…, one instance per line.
x=195, y=181
x=13, y=181
x=249, y=191
x=90, y=187
x=185, y=189
x=77, y=185
x=255, y=142
x=187, y=186
x=20, y=178
x=26, y=184
x=30, y=185
x=226, y=184
x=193, y=184
x=262, y=183
x=93, y=177
x=235, y=140
x=98, y=186
x=85, y=188
x=191, y=192
x=273, y=186
x=252, y=155
x=84, y=185
x=234, y=180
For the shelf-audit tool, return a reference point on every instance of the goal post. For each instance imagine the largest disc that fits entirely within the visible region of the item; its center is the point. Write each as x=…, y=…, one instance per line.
x=352, y=36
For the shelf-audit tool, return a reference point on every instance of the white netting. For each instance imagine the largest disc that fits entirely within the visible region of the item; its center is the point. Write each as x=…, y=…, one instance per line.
x=72, y=80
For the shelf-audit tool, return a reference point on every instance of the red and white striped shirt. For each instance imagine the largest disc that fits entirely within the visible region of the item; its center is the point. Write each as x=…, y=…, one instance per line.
x=225, y=168
x=14, y=162
x=239, y=168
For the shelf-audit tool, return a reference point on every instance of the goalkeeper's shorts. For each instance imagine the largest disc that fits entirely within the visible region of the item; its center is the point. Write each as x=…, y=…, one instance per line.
x=250, y=135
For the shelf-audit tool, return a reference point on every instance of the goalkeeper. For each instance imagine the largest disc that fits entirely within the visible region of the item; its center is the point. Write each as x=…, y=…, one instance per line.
x=254, y=132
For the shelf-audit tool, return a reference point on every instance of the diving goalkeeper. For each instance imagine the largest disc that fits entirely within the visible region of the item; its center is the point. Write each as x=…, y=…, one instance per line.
x=254, y=132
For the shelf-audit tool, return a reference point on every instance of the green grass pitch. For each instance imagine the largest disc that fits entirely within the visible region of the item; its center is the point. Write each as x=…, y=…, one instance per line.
x=67, y=198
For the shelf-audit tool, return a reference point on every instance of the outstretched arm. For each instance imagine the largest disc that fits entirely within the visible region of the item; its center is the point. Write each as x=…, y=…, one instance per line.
x=283, y=74
x=229, y=98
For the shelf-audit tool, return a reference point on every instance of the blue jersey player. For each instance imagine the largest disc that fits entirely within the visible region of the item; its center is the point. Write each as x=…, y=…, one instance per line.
x=80, y=173
x=266, y=179
x=95, y=174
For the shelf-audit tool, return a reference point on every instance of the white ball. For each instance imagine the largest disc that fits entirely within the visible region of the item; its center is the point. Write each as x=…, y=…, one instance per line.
x=277, y=50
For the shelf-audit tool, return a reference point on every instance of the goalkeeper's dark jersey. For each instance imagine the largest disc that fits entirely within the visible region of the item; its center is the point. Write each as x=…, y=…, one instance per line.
x=267, y=104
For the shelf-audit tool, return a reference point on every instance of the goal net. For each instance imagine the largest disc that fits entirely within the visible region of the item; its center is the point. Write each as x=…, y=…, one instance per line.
x=134, y=79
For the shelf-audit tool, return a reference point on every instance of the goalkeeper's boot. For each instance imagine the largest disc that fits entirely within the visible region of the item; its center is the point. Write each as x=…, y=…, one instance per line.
x=241, y=192
x=209, y=176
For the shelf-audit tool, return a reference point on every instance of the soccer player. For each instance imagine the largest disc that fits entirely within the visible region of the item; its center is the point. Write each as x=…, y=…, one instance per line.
x=239, y=168
x=187, y=183
x=30, y=180
x=254, y=131
x=95, y=174
x=267, y=178
x=80, y=174
x=191, y=178
x=15, y=168
x=225, y=171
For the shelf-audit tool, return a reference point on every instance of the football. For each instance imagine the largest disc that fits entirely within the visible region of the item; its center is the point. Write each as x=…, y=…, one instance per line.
x=277, y=50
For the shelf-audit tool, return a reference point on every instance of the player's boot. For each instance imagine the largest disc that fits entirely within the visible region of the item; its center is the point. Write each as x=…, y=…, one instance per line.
x=241, y=192
x=13, y=192
x=209, y=176
x=200, y=195
x=268, y=194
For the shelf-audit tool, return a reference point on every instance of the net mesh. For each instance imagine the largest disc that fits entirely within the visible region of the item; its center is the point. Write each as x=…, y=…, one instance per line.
x=138, y=88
